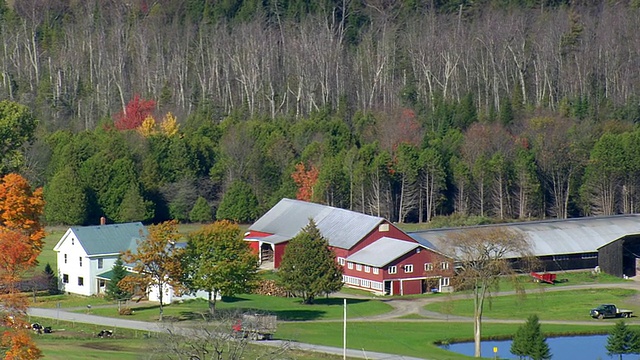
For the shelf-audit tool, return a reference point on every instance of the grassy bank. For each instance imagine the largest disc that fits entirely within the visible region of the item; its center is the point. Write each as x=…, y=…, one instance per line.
x=557, y=305
x=411, y=338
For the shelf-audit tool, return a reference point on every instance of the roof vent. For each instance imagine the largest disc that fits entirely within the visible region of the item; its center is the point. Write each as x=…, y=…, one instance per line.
x=383, y=227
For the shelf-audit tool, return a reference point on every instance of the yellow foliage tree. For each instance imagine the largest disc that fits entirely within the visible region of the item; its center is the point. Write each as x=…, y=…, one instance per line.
x=157, y=262
x=169, y=125
x=148, y=127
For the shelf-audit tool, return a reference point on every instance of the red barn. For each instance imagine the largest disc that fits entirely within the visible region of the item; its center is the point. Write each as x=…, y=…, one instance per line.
x=376, y=256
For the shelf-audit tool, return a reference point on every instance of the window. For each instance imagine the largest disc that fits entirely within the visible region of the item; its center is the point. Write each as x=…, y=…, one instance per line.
x=72, y=241
x=350, y=265
x=393, y=269
x=376, y=271
x=367, y=268
x=80, y=281
x=80, y=261
x=358, y=267
x=383, y=227
x=445, y=281
x=365, y=283
x=341, y=261
x=408, y=268
x=428, y=266
x=65, y=278
x=100, y=263
x=65, y=258
x=444, y=265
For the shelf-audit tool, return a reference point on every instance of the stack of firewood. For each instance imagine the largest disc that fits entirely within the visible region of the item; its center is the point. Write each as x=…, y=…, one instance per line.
x=270, y=288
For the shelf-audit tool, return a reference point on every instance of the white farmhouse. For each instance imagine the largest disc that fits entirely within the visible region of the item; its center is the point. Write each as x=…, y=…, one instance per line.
x=85, y=252
x=86, y=255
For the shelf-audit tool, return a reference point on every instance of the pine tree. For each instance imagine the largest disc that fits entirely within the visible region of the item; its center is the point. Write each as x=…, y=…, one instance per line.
x=201, y=212
x=113, y=290
x=238, y=204
x=622, y=340
x=528, y=341
x=308, y=266
x=52, y=280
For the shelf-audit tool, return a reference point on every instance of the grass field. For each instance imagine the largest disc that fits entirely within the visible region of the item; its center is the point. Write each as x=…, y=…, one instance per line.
x=289, y=309
x=411, y=338
x=77, y=341
x=561, y=305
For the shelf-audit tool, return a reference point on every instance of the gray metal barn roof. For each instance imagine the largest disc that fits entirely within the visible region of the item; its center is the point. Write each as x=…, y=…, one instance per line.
x=342, y=228
x=554, y=237
x=382, y=252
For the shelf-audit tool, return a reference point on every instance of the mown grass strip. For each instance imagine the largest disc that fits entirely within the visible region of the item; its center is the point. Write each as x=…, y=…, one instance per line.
x=557, y=305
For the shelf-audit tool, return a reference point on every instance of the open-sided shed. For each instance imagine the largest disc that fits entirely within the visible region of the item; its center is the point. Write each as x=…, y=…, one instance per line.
x=611, y=242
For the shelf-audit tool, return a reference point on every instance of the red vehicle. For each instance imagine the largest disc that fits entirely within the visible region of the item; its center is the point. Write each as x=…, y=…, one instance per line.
x=548, y=278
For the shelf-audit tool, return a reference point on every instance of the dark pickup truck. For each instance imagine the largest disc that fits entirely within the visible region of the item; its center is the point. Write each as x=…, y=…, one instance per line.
x=609, y=311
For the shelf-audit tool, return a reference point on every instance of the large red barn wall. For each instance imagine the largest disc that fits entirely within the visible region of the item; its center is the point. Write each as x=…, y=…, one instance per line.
x=277, y=254
x=418, y=260
x=376, y=234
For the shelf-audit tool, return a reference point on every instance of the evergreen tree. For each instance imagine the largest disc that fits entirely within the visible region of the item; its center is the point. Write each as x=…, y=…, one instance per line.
x=238, y=204
x=66, y=199
x=134, y=207
x=622, y=340
x=113, y=290
x=201, y=212
x=528, y=341
x=506, y=112
x=52, y=280
x=309, y=267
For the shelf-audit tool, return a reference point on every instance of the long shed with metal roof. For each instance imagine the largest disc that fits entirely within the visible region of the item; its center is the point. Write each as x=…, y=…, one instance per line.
x=610, y=242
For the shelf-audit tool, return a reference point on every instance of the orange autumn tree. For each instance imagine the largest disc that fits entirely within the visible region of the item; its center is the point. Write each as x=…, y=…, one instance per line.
x=157, y=262
x=21, y=235
x=306, y=180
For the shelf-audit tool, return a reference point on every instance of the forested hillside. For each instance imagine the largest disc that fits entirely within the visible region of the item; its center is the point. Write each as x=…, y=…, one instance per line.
x=149, y=110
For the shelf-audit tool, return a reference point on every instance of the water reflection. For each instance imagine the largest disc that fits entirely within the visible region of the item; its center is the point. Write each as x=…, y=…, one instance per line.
x=590, y=347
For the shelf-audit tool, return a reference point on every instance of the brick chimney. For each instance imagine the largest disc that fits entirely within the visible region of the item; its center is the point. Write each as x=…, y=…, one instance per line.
x=103, y=220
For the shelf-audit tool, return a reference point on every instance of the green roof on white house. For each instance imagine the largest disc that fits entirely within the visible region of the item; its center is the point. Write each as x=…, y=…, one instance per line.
x=107, y=239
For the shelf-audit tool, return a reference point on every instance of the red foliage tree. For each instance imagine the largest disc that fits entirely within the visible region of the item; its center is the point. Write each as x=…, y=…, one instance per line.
x=20, y=244
x=134, y=113
x=306, y=180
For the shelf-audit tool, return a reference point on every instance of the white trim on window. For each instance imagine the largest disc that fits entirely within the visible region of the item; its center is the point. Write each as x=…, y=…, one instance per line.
x=445, y=281
x=408, y=268
x=358, y=267
x=341, y=261
x=428, y=266
x=376, y=271
x=392, y=269
x=444, y=265
x=367, y=268
x=350, y=265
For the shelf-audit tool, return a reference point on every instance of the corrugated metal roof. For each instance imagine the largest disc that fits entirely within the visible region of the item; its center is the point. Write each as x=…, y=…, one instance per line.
x=554, y=237
x=109, y=239
x=342, y=228
x=382, y=252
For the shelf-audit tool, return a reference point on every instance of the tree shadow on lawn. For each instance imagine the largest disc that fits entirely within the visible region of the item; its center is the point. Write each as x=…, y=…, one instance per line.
x=314, y=311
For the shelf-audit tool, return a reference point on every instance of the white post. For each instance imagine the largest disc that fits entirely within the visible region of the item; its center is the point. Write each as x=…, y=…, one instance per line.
x=344, y=332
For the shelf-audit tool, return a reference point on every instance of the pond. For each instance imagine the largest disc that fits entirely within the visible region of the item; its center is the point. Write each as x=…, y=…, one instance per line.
x=590, y=347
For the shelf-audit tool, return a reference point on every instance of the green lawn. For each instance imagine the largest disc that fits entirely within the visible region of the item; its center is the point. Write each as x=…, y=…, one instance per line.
x=289, y=309
x=409, y=338
x=560, y=305
x=71, y=341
